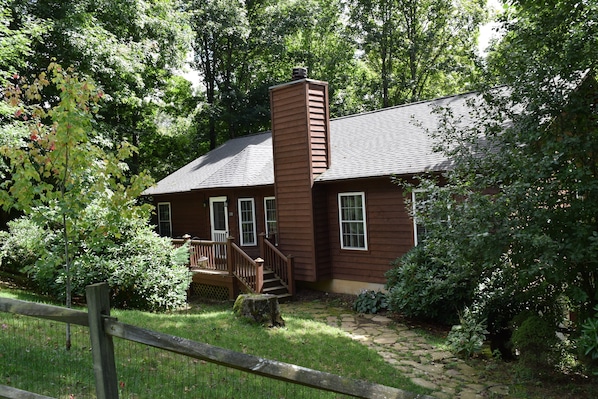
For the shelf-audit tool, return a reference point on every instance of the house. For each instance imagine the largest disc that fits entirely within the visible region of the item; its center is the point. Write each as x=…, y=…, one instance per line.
x=320, y=189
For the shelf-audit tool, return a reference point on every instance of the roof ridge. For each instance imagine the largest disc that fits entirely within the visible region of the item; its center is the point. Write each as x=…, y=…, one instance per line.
x=406, y=105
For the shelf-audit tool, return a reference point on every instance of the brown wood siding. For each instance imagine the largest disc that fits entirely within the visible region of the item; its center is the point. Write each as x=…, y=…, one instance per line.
x=299, y=135
x=318, y=128
x=187, y=214
x=190, y=216
x=389, y=231
x=322, y=232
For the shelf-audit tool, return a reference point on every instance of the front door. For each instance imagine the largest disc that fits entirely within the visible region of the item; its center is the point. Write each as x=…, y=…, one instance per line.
x=219, y=218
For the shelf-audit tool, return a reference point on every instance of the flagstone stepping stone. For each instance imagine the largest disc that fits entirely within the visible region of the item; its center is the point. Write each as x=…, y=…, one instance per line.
x=424, y=383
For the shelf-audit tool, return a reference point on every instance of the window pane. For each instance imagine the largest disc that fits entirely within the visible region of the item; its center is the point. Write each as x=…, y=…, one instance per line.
x=164, y=226
x=247, y=222
x=270, y=210
x=219, y=216
x=352, y=221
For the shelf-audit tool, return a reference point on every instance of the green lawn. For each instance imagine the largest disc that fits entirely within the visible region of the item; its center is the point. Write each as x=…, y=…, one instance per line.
x=32, y=356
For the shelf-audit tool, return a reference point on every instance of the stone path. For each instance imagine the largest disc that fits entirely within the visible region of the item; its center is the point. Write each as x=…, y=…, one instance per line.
x=446, y=375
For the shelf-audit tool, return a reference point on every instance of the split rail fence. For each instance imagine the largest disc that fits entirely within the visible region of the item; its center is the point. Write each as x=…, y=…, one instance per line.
x=103, y=328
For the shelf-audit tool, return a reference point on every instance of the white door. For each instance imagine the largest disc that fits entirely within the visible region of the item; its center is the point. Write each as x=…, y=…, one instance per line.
x=219, y=218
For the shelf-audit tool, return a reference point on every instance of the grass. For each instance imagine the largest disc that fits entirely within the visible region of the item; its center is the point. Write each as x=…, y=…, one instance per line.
x=32, y=355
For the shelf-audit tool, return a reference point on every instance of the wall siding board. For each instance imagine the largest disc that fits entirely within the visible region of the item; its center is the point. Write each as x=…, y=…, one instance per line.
x=299, y=113
x=389, y=228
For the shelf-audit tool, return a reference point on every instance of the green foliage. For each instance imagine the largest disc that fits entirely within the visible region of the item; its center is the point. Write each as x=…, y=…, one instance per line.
x=129, y=48
x=588, y=341
x=85, y=240
x=143, y=270
x=428, y=287
x=20, y=246
x=417, y=49
x=535, y=339
x=467, y=338
x=518, y=208
x=369, y=301
x=16, y=41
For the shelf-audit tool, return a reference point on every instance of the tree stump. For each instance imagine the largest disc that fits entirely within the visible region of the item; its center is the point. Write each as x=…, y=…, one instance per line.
x=259, y=308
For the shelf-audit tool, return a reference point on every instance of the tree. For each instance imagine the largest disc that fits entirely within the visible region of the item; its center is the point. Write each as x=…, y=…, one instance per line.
x=418, y=49
x=221, y=29
x=16, y=43
x=61, y=161
x=519, y=210
x=129, y=48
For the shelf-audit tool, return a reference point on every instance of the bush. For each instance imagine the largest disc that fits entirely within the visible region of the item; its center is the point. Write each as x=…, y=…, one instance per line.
x=588, y=342
x=369, y=301
x=20, y=247
x=467, y=338
x=535, y=339
x=143, y=270
x=426, y=288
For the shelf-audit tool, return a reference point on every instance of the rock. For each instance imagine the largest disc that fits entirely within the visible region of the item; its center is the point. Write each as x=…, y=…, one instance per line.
x=259, y=308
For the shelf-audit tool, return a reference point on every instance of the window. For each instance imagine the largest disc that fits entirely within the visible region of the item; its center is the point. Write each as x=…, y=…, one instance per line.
x=419, y=230
x=247, y=221
x=270, y=214
x=351, y=210
x=164, y=224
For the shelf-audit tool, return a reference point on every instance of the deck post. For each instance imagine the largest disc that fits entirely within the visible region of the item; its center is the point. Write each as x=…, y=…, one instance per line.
x=262, y=245
x=102, y=346
x=290, y=274
x=259, y=275
x=229, y=255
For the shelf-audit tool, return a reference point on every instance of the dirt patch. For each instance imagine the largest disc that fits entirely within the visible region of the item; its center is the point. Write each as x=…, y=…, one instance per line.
x=331, y=298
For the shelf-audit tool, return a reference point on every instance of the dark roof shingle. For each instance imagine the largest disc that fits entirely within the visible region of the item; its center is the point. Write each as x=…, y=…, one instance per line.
x=379, y=143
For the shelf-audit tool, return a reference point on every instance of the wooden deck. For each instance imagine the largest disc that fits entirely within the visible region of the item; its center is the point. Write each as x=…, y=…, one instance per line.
x=223, y=265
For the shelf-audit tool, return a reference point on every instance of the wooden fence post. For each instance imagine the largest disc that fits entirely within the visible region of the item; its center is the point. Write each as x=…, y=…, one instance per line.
x=102, y=347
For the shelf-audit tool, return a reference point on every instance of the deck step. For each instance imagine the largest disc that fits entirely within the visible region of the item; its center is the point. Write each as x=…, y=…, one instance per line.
x=284, y=297
x=277, y=290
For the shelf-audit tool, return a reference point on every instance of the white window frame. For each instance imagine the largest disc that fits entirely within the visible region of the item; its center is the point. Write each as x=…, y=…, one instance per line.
x=416, y=227
x=346, y=223
x=268, y=222
x=160, y=221
x=243, y=222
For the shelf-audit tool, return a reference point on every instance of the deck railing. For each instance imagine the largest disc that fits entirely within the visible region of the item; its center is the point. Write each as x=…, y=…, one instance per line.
x=204, y=254
x=229, y=257
x=276, y=261
x=249, y=272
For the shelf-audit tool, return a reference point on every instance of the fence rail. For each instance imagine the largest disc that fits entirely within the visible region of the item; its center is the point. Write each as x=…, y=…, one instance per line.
x=103, y=328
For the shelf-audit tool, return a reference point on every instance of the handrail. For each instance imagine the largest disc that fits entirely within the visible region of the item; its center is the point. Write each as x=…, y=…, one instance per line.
x=204, y=254
x=250, y=272
x=281, y=265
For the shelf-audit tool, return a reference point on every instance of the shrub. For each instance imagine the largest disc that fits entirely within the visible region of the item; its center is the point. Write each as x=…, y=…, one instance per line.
x=588, y=342
x=467, y=338
x=369, y=301
x=535, y=339
x=425, y=287
x=20, y=247
x=148, y=273
x=143, y=270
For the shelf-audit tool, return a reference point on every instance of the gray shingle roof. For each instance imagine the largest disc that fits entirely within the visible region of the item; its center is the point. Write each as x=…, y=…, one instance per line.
x=380, y=143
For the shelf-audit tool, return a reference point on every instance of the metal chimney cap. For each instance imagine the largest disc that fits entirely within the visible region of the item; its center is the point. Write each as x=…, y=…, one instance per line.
x=299, y=73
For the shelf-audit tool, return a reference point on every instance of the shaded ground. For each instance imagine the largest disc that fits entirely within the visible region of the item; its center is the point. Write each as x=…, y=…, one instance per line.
x=418, y=350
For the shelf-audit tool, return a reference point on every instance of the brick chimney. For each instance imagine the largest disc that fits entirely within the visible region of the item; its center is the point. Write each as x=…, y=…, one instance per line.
x=301, y=149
